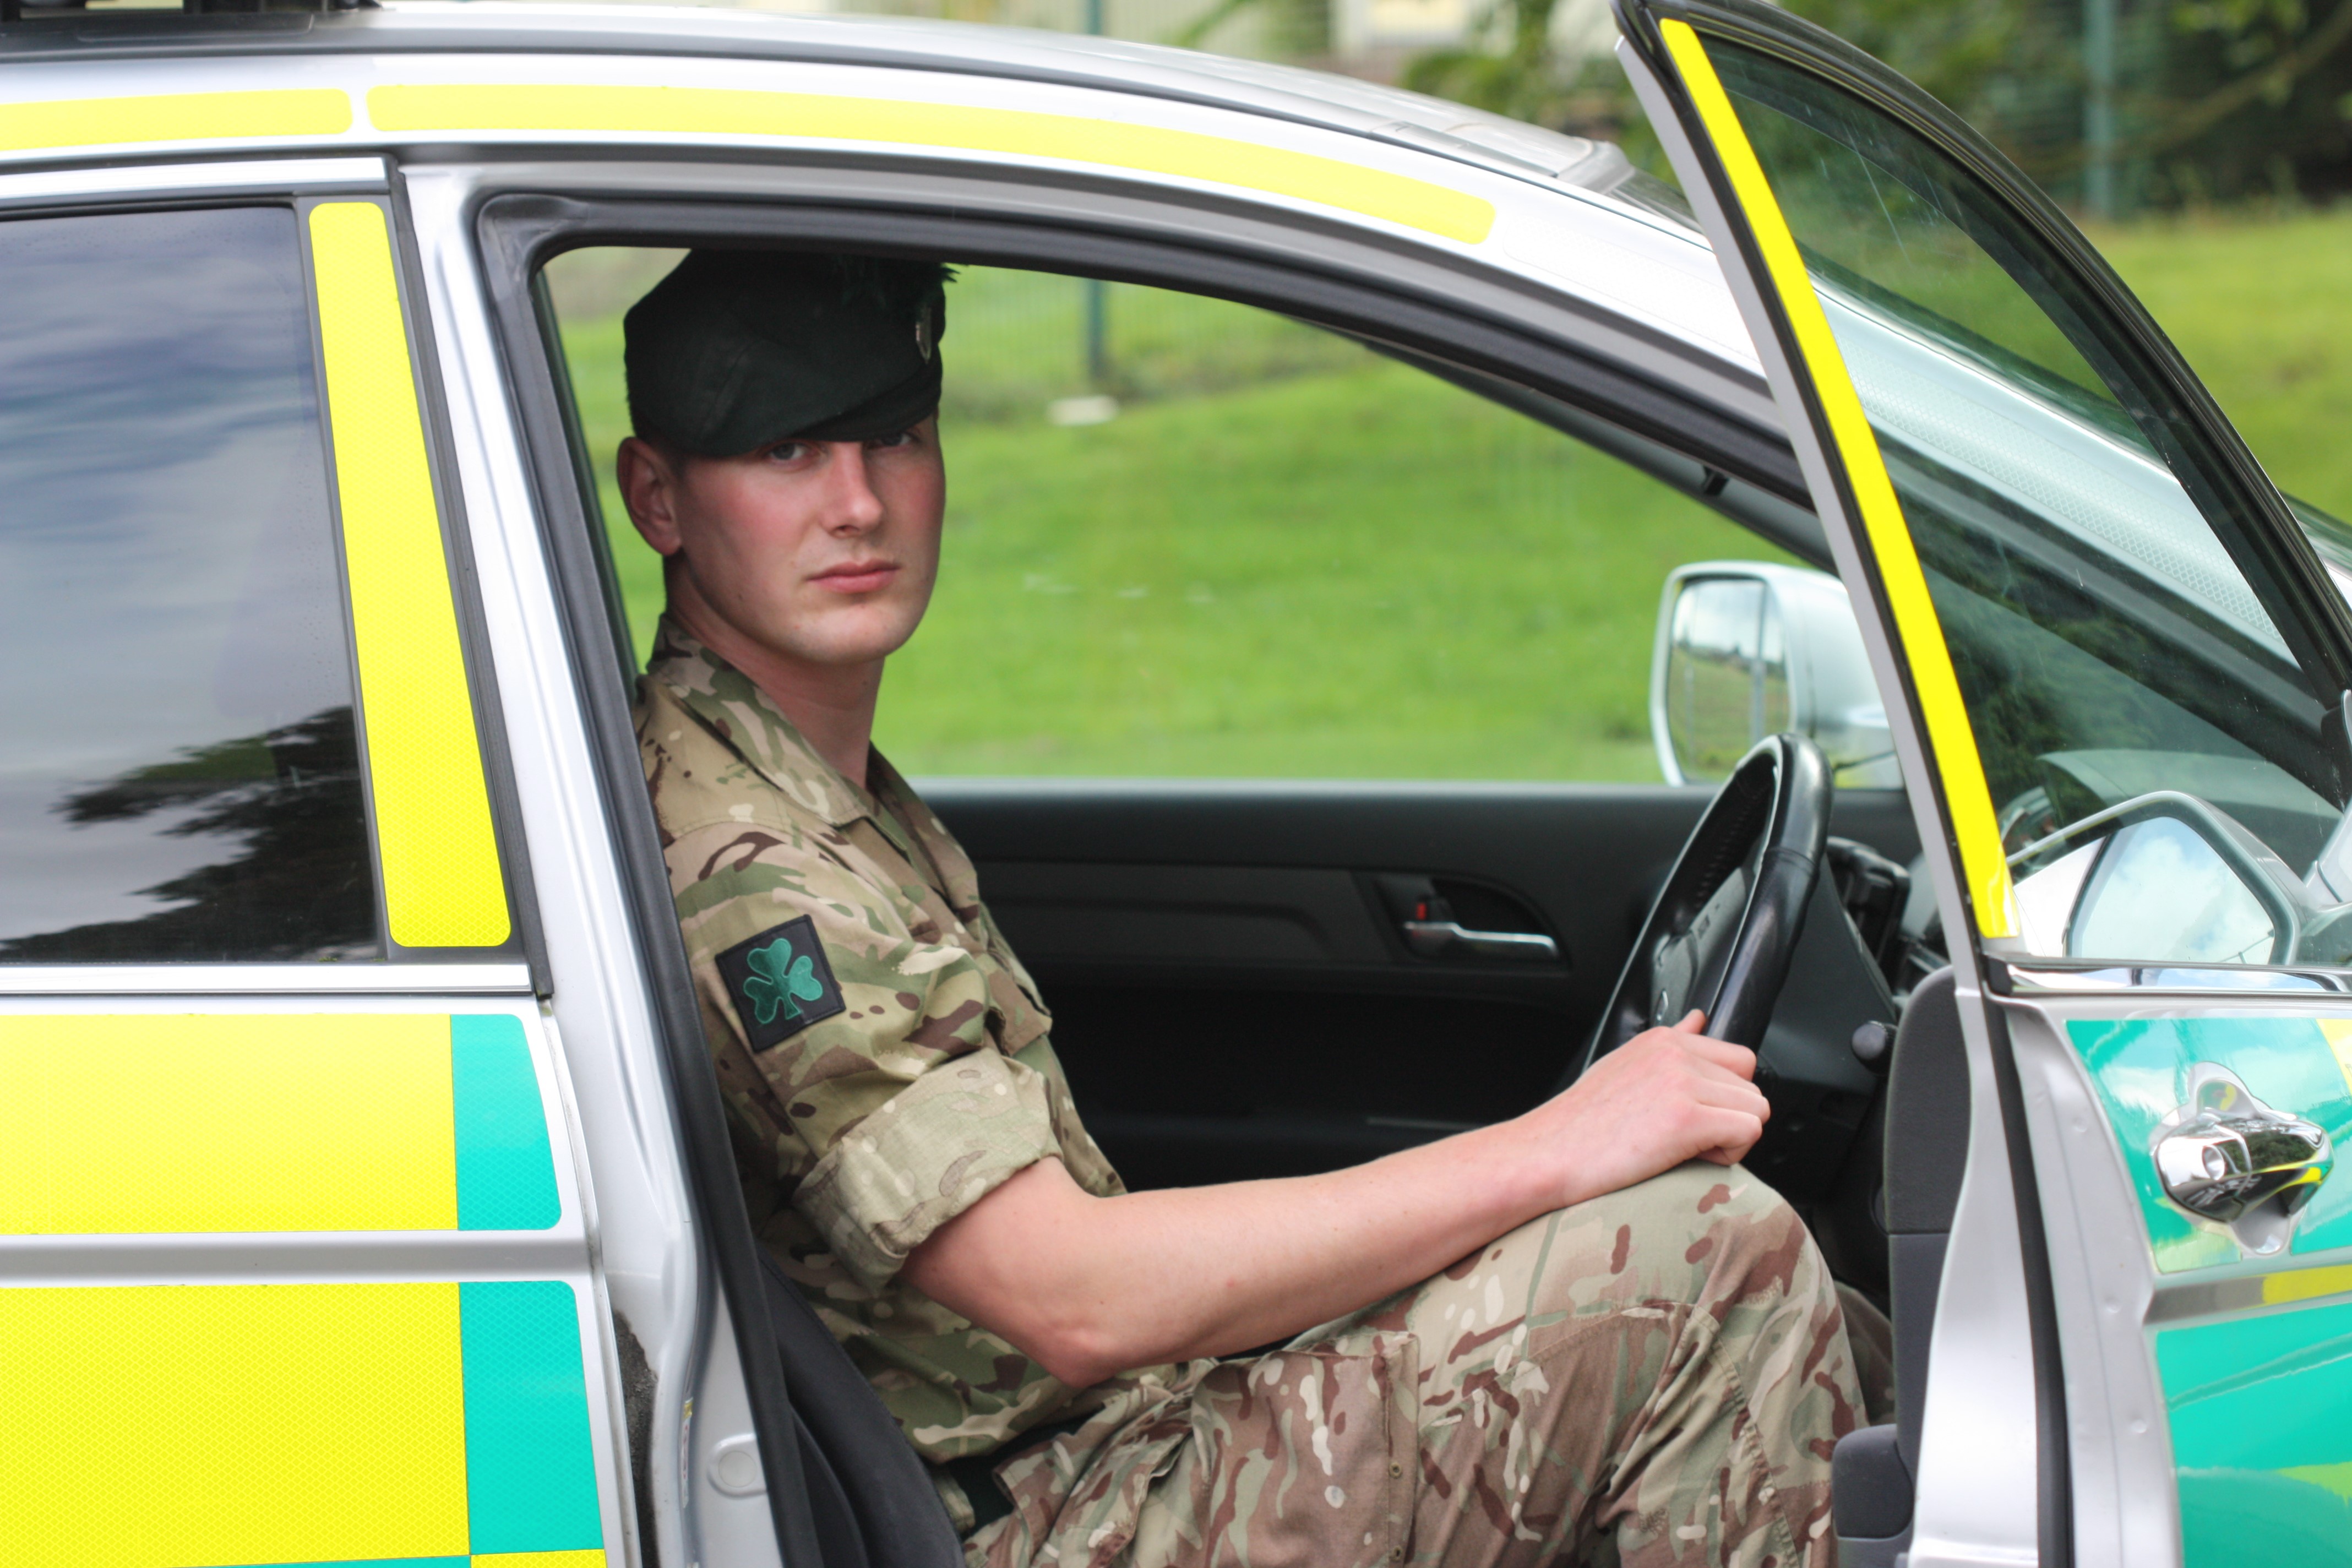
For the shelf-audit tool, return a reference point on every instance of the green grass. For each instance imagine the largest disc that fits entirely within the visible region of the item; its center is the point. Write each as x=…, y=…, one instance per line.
x=2261, y=306
x=1360, y=574
x=1286, y=557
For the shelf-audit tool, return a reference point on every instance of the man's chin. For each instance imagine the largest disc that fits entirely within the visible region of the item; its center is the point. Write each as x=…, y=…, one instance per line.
x=843, y=641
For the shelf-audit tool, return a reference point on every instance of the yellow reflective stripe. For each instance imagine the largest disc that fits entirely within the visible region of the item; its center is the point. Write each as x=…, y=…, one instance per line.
x=719, y=111
x=179, y=117
x=156, y=1426
x=1950, y=737
x=442, y=884
x=2338, y=1033
x=241, y=1141
x=2304, y=1284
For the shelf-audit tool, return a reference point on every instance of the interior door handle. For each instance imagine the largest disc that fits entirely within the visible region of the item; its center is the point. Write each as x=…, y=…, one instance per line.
x=1433, y=938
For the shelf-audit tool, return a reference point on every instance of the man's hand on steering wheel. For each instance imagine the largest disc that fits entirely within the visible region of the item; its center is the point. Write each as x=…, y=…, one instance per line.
x=1666, y=1095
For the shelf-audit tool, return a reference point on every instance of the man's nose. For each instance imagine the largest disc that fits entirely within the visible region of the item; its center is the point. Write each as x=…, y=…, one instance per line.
x=853, y=507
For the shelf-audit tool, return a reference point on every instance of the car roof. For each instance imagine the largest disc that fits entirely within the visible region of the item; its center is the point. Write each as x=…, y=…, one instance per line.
x=1333, y=102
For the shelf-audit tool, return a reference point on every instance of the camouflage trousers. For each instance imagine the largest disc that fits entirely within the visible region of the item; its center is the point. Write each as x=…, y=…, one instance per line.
x=1655, y=1377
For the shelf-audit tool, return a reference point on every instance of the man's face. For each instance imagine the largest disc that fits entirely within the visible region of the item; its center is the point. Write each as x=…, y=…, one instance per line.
x=821, y=552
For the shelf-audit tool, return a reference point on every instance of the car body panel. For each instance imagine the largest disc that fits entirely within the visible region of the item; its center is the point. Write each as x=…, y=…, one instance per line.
x=2171, y=1326
x=341, y=1263
x=2167, y=1335
x=1544, y=228
x=631, y=1116
x=325, y=1298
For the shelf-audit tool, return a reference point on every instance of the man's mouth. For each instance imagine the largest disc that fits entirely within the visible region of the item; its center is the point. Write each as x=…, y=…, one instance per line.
x=856, y=576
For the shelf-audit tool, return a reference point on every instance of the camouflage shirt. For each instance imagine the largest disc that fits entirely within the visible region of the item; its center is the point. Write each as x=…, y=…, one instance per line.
x=883, y=1054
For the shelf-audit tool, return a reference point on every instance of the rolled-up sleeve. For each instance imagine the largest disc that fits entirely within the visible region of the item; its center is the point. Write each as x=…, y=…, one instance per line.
x=923, y=1157
x=896, y=1110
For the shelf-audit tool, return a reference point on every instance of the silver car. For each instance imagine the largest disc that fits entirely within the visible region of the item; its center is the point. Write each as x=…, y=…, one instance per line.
x=364, y=1192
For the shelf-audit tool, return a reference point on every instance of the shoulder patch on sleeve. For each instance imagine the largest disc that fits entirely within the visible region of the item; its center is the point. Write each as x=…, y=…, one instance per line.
x=780, y=983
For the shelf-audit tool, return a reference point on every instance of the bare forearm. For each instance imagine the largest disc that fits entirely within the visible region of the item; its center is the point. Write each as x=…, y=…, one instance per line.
x=1093, y=1286
x=1110, y=1283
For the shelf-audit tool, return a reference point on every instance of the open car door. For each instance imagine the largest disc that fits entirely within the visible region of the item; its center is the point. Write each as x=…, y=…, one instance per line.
x=2116, y=678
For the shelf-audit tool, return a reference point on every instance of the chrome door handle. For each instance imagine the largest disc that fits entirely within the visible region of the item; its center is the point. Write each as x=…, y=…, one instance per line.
x=2226, y=1157
x=1432, y=938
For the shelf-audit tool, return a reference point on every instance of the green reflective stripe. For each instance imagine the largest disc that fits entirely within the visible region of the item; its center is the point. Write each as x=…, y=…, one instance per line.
x=2140, y=1067
x=2262, y=1450
x=506, y=1170
x=530, y=1462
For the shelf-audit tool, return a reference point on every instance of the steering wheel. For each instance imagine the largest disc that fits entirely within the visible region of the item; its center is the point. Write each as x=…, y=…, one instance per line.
x=1721, y=935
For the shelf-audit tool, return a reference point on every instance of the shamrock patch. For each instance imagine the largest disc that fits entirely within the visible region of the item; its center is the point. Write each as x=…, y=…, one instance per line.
x=780, y=983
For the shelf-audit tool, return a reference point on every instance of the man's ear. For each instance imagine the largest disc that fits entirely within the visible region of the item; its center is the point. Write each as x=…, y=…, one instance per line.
x=649, y=480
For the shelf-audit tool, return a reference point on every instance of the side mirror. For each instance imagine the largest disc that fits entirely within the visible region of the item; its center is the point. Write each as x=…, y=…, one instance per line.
x=1746, y=650
x=2167, y=878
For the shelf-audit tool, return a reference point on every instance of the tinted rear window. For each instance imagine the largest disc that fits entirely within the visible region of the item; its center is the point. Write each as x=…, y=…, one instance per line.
x=181, y=779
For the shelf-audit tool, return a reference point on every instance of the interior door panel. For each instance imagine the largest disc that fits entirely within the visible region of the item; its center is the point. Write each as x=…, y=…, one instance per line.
x=1144, y=913
x=1232, y=988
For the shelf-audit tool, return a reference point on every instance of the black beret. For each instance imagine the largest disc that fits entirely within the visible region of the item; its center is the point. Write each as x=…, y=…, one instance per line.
x=735, y=349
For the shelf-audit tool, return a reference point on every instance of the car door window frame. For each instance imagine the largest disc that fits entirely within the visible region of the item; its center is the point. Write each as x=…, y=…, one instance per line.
x=1994, y=1288
x=1409, y=304
x=301, y=185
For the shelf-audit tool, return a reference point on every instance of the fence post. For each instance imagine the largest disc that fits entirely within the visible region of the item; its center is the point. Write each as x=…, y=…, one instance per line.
x=1098, y=326
x=2098, y=106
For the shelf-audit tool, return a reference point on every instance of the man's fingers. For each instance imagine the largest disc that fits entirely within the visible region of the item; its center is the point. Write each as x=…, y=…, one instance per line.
x=1721, y=1053
x=1733, y=1095
x=1724, y=1134
x=1683, y=1036
x=1696, y=1068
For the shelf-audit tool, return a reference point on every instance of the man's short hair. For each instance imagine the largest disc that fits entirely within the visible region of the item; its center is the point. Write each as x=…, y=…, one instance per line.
x=738, y=349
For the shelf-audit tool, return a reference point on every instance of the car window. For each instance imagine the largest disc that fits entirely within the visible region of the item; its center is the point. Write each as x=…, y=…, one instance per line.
x=2146, y=727
x=1191, y=538
x=182, y=779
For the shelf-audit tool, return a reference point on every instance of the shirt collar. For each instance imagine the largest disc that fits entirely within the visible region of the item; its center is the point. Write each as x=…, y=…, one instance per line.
x=732, y=705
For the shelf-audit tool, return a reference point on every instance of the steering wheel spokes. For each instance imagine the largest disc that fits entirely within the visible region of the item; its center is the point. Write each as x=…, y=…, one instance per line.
x=1720, y=936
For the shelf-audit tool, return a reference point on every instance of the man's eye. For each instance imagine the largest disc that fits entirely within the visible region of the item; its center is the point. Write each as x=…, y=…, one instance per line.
x=903, y=439
x=788, y=451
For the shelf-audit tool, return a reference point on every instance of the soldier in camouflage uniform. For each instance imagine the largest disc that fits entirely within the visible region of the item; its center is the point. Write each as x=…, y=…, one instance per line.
x=1652, y=1374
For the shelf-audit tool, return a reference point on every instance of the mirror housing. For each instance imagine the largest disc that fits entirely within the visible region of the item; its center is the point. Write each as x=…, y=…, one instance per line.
x=1747, y=649
x=2168, y=878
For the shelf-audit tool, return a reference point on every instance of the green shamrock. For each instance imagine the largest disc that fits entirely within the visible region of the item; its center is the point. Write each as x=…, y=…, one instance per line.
x=777, y=977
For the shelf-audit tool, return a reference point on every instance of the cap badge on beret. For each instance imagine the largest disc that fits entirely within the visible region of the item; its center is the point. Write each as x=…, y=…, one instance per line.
x=923, y=331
